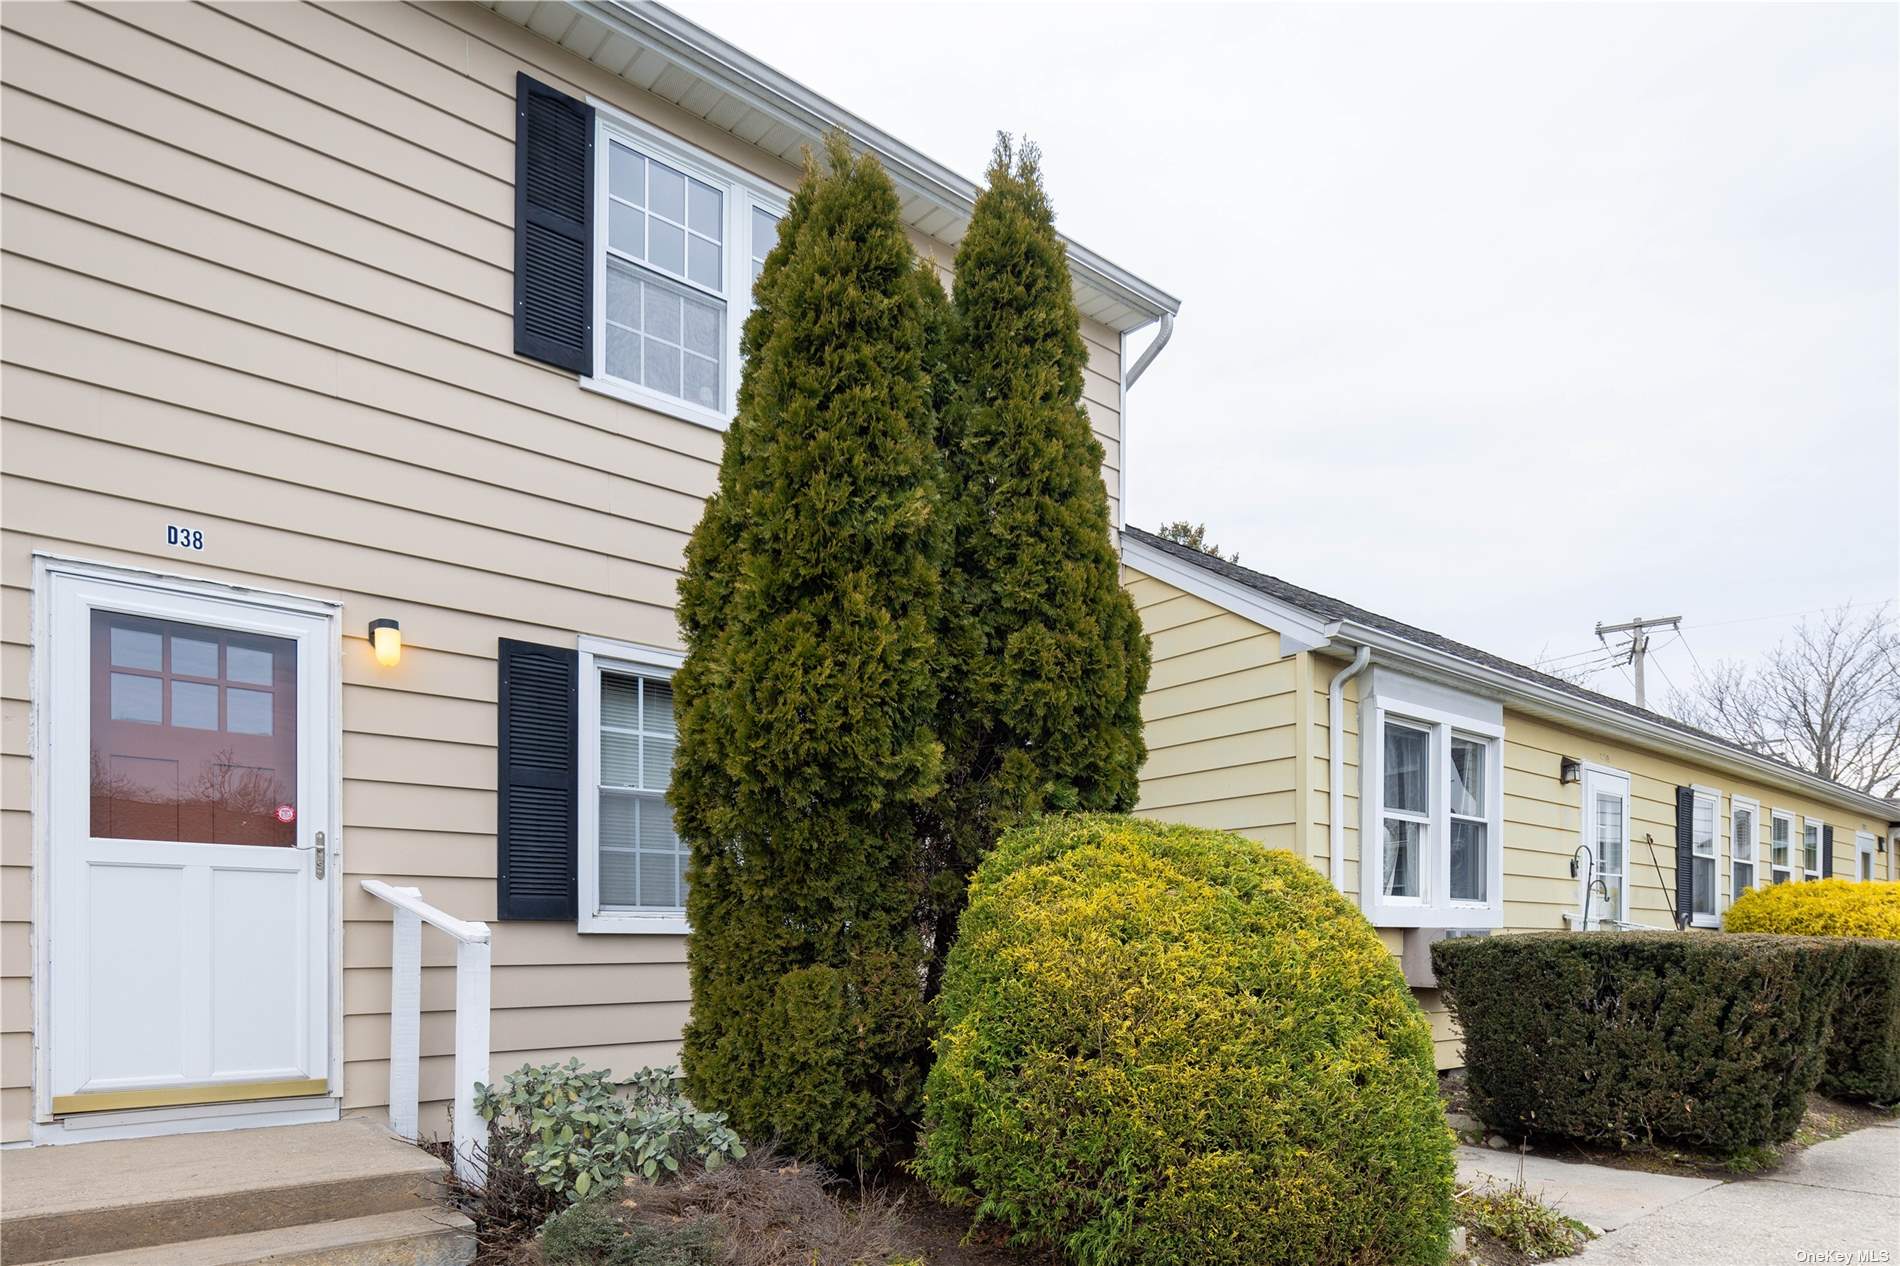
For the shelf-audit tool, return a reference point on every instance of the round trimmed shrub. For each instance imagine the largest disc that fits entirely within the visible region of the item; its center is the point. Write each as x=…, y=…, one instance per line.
x=1161, y=1044
x=1863, y=1045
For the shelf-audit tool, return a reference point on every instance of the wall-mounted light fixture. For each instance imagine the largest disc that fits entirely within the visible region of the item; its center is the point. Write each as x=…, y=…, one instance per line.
x=1569, y=769
x=386, y=637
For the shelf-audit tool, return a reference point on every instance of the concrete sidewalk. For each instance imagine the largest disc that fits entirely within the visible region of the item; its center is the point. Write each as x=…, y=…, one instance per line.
x=1839, y=1197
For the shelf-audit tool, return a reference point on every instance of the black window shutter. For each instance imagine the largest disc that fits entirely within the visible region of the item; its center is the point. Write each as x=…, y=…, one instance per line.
x=554, y=221
x=538, y=799
x=1827, y=852
x=1685, y=855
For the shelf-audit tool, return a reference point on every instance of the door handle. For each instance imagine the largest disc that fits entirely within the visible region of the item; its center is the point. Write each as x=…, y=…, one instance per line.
x=321, y=852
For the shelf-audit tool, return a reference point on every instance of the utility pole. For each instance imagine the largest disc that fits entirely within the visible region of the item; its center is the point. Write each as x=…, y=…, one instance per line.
x=1638, y=629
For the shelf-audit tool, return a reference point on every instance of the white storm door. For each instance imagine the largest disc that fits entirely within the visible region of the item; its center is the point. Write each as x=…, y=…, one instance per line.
x=188, y=744
x=1606, y=830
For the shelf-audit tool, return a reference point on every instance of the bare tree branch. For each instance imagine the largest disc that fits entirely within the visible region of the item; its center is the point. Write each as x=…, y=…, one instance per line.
x=1826, y=699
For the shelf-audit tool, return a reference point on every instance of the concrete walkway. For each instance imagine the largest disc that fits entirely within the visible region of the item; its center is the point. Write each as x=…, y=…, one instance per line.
x=1839, y=1197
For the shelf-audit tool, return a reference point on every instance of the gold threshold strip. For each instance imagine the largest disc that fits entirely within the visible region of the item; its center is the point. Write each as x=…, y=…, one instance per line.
x=179, y=1096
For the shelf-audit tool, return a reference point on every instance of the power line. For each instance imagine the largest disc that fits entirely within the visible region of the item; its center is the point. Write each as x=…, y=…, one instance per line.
x=1790, y=615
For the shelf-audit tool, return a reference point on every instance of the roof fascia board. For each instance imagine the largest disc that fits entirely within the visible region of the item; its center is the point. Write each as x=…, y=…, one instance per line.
x=1582, y=712
x=798, y=107
x=1299, y=630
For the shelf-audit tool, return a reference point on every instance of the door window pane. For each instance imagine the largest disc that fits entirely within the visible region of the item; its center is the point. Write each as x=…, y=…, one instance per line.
x=138, y=699
x=194, y=657
x=193, y=733
x=194, y=705
x=137, y=648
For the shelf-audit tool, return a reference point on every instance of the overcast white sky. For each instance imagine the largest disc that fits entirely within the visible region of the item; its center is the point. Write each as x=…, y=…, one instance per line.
x=1499, y=319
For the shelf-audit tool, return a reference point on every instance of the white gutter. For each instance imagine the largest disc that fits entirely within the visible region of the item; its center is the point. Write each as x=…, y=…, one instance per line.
x=1336, y=765
x=1594, y=716
x=686, y=43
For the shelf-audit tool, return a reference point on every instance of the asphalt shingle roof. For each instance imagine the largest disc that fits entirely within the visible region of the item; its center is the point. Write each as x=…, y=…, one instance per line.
x=1330, y=609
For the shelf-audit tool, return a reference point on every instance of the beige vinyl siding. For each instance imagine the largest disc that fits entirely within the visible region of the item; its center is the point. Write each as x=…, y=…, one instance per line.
x=258, y=278
x=1218, y=717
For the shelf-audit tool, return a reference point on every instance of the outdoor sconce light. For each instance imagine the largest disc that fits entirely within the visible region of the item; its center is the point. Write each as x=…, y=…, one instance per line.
x=1569, y=769
x=386, y=637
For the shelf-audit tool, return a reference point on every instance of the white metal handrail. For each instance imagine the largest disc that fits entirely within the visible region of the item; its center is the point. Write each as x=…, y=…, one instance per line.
x=405, y=1022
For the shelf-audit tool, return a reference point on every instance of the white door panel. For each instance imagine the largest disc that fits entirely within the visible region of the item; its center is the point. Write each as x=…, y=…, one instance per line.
x=189, y=759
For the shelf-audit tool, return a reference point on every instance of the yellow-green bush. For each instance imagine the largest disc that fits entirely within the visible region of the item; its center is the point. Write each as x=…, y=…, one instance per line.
x=1863, y=1048
x=1162, y=1045
x=1827, y=907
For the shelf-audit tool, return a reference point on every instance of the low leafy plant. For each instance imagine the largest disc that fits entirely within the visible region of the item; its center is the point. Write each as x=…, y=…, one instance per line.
x=1521, y=1222
x=1863, y=1050
x=1702, y=1039
x=573, y=1130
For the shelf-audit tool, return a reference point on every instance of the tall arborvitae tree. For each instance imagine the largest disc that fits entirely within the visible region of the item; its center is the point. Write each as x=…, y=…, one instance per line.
x=1044, y=659
x=807, y=698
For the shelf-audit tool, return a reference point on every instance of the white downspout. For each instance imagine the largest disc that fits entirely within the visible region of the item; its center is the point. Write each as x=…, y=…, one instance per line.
x=1149, y=353
x=1336, y=765
x=1129, y=375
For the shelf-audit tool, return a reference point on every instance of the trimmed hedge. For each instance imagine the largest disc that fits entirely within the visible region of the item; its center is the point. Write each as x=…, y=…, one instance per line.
x=1863, y=1051
x=1702, y=1039
x=1161, y=1044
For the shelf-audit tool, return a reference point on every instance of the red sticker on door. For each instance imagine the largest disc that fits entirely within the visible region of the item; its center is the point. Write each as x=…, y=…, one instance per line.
x=286, y=813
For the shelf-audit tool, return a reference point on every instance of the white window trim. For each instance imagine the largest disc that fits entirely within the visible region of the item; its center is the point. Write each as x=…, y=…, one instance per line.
x=599, y=655
x=1405, y=702
x=1738, y=805
x=1801, y=847
x=1716, y=886
x=743, y=191
x=1794, y=842
x=1864, y=847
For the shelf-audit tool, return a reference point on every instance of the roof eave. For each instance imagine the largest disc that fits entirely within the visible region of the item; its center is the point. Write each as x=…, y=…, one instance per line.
x=1559, y=705
x=803, y=110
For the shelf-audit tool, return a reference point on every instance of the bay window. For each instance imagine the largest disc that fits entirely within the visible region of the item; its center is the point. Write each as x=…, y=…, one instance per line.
x=1743, y=842
x=632, y=863
x=681, y=237
x=1432, y=805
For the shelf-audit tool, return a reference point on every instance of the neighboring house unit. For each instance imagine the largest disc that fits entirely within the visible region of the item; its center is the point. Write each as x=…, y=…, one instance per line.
x=320, y=315
x=1491, y=794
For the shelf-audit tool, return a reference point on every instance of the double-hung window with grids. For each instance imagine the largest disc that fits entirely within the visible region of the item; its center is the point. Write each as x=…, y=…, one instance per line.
x=680, y=240
x=632, y=864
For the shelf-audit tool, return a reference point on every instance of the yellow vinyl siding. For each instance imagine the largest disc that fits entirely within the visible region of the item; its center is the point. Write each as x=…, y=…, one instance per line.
x=260, y=279
x=1219, y=717
x=1238, y=738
